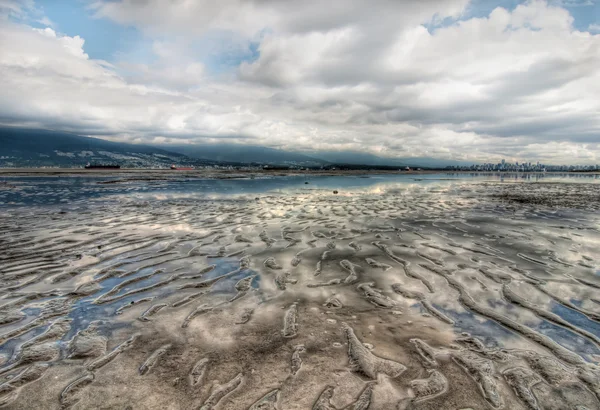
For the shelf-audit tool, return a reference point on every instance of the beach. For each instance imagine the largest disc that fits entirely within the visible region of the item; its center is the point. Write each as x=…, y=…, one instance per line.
x=230, y=290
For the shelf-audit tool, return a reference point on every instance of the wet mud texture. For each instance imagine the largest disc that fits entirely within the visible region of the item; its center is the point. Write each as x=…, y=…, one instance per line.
x=469, y=295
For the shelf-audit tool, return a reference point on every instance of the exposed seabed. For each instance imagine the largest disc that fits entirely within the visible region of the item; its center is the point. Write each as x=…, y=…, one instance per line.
x=464, y=295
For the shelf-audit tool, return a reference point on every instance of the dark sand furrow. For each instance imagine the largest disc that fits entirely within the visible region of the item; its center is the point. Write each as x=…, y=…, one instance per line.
x=560, y=352
x=591, y=315
x=107, y=269
x=399, y=289
x=323, y=402
x=199, y=371
x=31, y=268
x=412, y=274
x=283, y=279
x=362, y=360
x=11, y=289
x=267, y=402
x=67, y=396
x=151, y=361
x=425, y=352
x=375, y=264
x=439, y=248
x=126, y=283
x=521, y=380
x=132, y=304
x=109, y=357
x=87, y=343
x=204, y=308
x=209, y=282
x=512, y=297
x=433, y=386
x=136, y=291
x=483, y=372
x=589, y=283
x=151, y=265
x=386, y=249
x=37, y=322
x=375, y=296
x=219, y=391
x=199, y=273
x=145, y=243
x=498, y=277
x=62, y=251
x=187, y=299
x=18, y=265
x=364, y=400
x=297, y=359
x=290, y=321
x=9, y=390
x=351, y=269
x=531, y=259
x=151, y=311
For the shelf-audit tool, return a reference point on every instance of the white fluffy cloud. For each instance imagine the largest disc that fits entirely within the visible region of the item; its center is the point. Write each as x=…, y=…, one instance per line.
x=283, y=16
x=398, y=78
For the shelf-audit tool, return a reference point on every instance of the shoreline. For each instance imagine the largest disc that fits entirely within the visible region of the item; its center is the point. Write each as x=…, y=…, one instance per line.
x=228, y=174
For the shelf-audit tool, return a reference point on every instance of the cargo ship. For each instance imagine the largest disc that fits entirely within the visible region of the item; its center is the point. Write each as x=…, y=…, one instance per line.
x=181, y=168
x=101, y=166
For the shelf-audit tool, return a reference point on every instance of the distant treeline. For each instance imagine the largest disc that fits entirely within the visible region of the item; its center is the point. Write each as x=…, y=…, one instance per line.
x=352, y=167
x=349, y=167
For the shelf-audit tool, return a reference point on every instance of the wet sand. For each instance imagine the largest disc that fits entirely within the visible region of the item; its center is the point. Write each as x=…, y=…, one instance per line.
x=465, y=295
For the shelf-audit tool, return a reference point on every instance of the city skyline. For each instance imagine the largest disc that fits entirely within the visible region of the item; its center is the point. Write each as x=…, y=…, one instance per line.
x=528, y=166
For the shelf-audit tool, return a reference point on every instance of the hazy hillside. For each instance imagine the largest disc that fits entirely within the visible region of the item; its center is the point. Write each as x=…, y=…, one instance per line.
x=351, y=157
x=264, y=155
x=245, y=154
x=34, y=148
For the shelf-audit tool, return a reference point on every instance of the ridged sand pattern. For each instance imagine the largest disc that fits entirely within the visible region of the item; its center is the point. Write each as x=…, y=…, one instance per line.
x=447, y=293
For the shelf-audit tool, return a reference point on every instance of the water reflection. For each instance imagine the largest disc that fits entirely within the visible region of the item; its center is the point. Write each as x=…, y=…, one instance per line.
x=205, y=266
x=78, y=190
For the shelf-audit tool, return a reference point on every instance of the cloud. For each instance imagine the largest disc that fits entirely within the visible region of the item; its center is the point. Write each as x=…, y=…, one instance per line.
x=572, y=3
x=400, y=79
x=283, y=16
x=45, y=21
x=15, y=8
x=72, y=45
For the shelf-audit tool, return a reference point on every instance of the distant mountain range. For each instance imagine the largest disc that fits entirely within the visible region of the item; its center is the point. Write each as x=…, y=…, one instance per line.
x=35, y=148
x=252, y=153
x=245, y=154
x=352, y=157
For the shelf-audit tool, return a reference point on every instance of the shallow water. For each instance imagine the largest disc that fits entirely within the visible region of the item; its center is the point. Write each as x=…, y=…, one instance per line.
x=70, y=190
x=401, y=291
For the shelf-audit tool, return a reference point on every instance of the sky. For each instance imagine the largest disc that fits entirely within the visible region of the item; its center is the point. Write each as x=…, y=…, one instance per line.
x=469, y=80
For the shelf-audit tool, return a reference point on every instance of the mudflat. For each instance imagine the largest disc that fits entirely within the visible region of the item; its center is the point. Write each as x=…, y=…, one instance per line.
x=277, y=293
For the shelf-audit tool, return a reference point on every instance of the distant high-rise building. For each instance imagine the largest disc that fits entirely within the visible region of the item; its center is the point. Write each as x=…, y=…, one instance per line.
x=503, y=161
